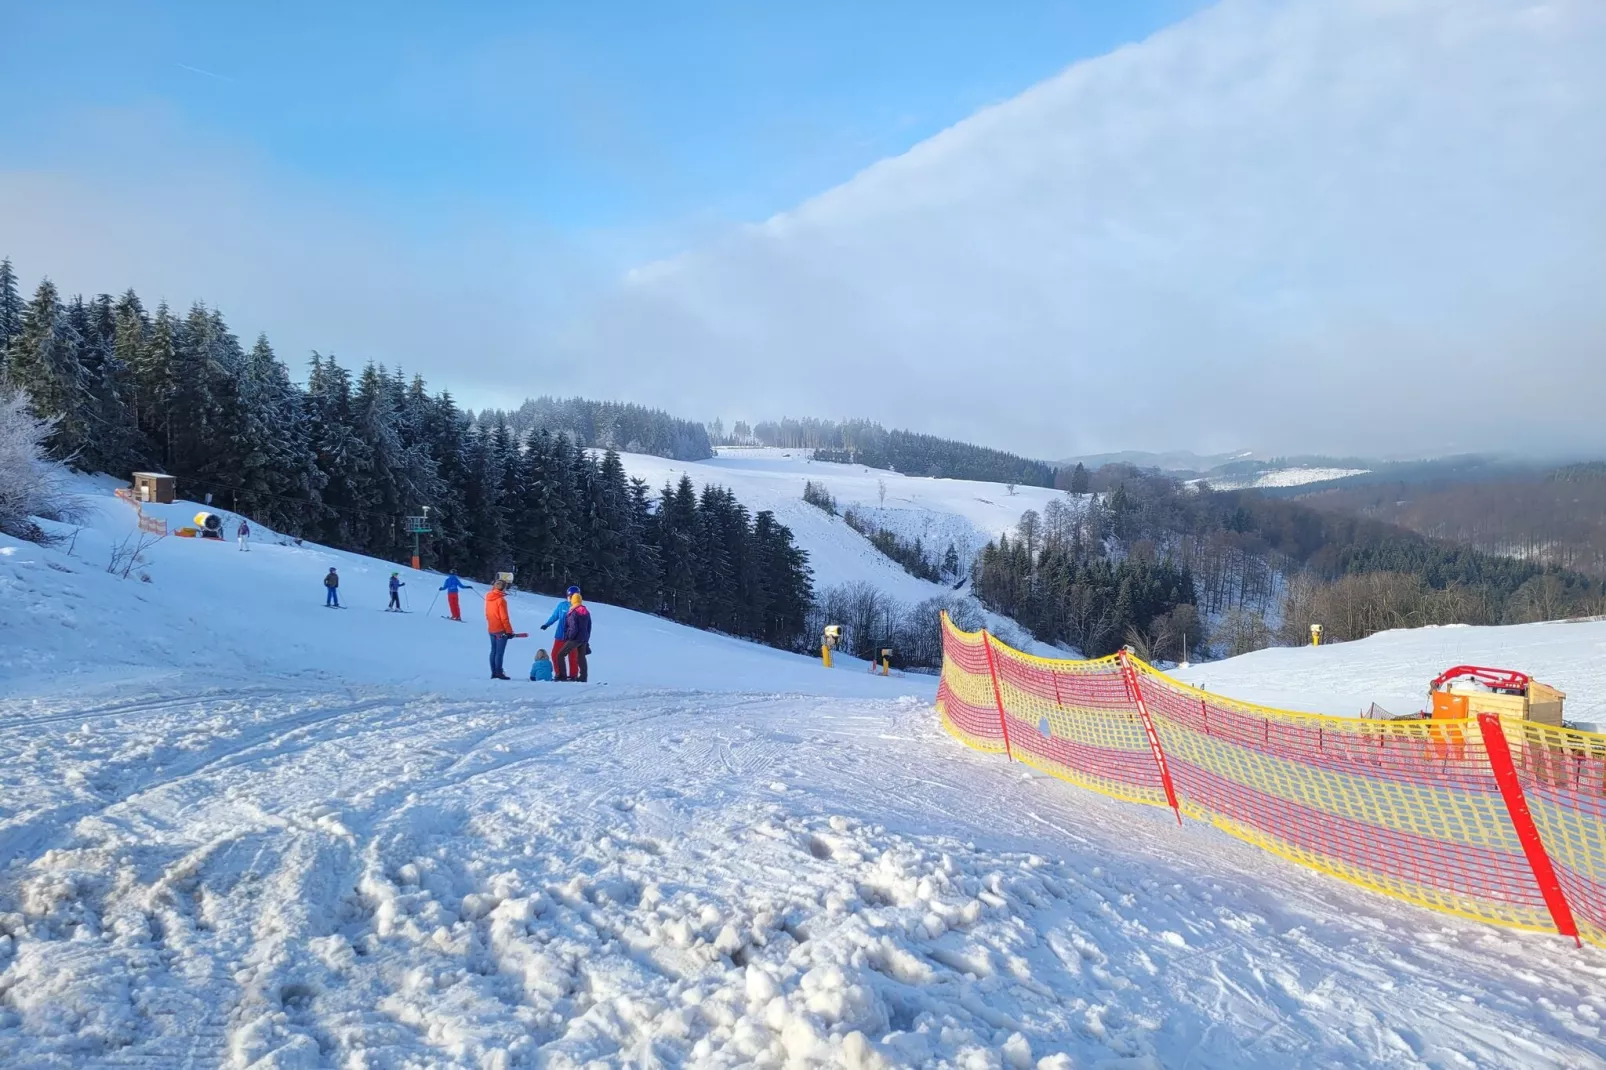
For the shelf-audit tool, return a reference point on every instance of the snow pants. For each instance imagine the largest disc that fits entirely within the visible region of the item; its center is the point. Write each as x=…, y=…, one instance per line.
x=245, y=544
x=575, y=654
x=498, y=648
x=451, y=603
x=395, y=600
x=334, y=596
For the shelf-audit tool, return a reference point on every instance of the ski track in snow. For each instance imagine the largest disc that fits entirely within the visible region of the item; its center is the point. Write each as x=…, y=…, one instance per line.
x=384, y=879
x=238, y=831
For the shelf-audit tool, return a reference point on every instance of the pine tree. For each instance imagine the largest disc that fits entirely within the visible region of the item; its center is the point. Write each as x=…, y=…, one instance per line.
x=645, y=565
x=342, y=456
x=678, y=533
x=153, y=385
x=1080, y=481
x=43, y=362
x=609, y=510
x=11, y=308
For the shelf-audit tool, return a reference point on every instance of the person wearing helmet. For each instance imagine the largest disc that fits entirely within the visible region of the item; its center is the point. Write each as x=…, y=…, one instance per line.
x=560, y=617
x=396, y=585
x=576, y=642
x=331, y=584
x=451, y=587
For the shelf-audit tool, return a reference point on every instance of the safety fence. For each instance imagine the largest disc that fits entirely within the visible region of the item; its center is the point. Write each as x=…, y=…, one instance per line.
x=153, y=524
x=1497, y=819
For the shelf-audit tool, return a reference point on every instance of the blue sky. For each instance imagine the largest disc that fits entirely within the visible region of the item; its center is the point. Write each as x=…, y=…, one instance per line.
x=576, y=116
x=1056, y=228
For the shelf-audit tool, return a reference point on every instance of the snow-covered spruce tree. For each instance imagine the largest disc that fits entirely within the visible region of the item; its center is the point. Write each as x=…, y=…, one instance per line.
x=31, y=485
x=43, y=363
x=10, y=310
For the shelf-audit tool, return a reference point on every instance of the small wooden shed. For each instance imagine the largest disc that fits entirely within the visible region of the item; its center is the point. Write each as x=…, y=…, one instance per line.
x=153, y=487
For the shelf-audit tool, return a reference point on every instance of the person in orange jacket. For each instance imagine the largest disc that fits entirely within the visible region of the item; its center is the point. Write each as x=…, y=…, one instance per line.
x=500, y=627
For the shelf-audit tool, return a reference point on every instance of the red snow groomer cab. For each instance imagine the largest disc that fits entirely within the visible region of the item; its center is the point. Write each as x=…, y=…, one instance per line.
x=1468, y=690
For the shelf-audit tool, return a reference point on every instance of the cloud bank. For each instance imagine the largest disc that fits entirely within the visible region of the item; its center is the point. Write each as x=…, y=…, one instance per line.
x=1353, y=226
x=1364, y=226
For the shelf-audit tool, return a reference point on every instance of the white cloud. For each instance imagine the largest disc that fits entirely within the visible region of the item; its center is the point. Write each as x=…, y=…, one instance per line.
x=1362, y=226
x=1351, y=226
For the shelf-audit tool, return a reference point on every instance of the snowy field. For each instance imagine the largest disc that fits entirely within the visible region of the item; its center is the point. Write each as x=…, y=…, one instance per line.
x=239, y=829
x=1281, y=477
x=1393, y=669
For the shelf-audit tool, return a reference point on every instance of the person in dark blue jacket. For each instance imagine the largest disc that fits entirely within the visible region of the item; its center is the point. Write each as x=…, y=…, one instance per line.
x=576, y=641
x=560, y=615
x=451, y=587
x=396, y=585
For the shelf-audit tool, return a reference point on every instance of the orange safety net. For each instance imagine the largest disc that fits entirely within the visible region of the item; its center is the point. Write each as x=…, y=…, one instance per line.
x=1420, y=810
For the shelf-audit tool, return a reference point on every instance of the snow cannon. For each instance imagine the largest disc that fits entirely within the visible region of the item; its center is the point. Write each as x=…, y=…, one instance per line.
x=209, y=525
x=828, y=642
x=1468, y=690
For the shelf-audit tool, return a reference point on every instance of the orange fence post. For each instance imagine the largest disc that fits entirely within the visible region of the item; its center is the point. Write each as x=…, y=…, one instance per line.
x=1148, y=730
x=998, y=696
x=1505, y=775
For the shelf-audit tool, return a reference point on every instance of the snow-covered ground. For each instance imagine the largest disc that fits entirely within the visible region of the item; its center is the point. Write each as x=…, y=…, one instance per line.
x=1280, y=477
x=239, y=829
x=963, y=512
x=1393, y=669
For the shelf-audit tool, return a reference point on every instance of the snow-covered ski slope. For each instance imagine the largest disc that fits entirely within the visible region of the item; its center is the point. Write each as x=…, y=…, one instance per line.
x=239, y=829
x=963, y=512
x=1393, y=669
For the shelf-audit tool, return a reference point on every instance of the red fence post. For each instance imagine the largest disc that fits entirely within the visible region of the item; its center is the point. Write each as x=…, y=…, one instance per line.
x=998, y=696
x=1154, y=737
x=1505, y=775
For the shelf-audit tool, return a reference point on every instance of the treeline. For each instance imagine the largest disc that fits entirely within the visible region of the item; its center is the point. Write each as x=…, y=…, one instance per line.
x=607, y=425
x=1548, y=517
x=1261, y=569
x=867, y=443
x=344, y=460
x=1058, y=579
x=872, y=621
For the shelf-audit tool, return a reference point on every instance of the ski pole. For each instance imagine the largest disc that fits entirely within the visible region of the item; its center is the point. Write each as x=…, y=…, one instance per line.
x=432, y=601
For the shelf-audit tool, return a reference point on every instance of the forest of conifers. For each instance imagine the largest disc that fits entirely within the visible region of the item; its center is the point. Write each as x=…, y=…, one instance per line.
x=343, y=460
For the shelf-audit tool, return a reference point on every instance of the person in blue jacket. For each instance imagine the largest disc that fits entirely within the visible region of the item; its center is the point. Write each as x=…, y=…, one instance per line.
x=541, y=667
x=451, y=587
x=560, y=615
x=576, y=641
x=396, y=585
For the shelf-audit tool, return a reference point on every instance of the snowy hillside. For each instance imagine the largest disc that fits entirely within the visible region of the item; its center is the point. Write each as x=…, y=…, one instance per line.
x=963, y=512
x=239, y=829
x=1392, y=669
x=1234, y=479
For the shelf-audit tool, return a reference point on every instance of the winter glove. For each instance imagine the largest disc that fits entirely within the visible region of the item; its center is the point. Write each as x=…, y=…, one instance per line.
x=544, y=627
x=588, y=650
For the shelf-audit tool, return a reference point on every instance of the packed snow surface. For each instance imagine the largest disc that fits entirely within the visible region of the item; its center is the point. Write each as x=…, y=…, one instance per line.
x=239, y=829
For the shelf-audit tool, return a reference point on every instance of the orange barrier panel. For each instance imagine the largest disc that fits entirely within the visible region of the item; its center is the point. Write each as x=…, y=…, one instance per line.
x=1503, y=822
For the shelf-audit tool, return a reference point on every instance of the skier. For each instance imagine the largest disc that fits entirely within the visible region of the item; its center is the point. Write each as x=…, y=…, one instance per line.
x=451, y=587
x=396, y=585
x=331, y=583
x=541, y=667
x=576, y=641
x=244, y=535
x=501, y=629
x=560, y=614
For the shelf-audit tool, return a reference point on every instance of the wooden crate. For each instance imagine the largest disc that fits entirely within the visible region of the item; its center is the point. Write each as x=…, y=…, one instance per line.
x=1544, y=703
